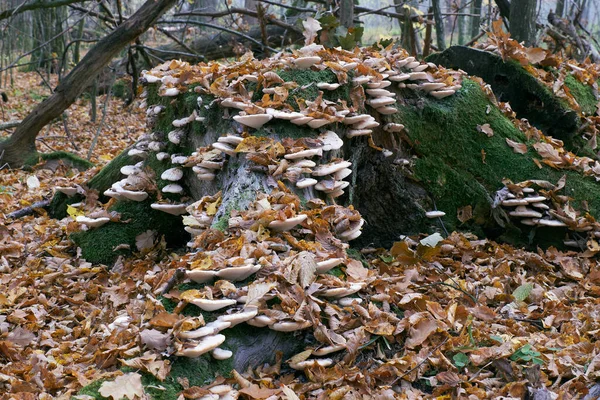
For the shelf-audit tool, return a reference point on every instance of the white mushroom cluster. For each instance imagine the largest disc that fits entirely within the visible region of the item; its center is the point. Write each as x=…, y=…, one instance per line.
x=134, y=187
x=528, y=206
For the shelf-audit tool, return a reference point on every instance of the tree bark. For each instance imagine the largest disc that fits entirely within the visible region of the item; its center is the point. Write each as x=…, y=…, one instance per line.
x=37, y=5
x=475, y=21
x=22, y=142
x=504, y=8
x=560, y=8
x=347, y=13
x=439, y=25
x=522, y=21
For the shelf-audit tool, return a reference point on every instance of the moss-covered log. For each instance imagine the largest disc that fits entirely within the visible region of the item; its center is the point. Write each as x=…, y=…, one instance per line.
x=528, y=97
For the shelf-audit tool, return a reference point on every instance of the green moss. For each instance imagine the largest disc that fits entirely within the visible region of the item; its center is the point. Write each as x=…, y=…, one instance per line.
x=68, y=158
x=121, y=89
x=283, y=129
x=584, y=95
x=461, y=166
x=307, y=85
x=97, y=244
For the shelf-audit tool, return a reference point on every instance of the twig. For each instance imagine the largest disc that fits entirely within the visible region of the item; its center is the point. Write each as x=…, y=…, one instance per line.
x=10, y=124
x=221, y=28
x=300, y=9
x=29, y=210
x=151, y=49
x=422, y=361
x=473, y=299
x=177, y=278
x=179, y=42
x=104, y=109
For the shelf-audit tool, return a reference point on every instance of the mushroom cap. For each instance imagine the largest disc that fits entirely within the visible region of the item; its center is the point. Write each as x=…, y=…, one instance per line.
x=210, y=164
x=301, y=120
x=347, y=301
x=230, y=139
x=204, y=346
x=284, y=114
x=429, y=86
x=399, y=78
x=535, y=199
x=162, y=156
x=524, y=212
x=331, y=141
x=323, y=362
x=514, y=202
x=173, y=209
x=323, y=351
x=551, y=223
x=230, y=151
x=237, y=318
x=387, y=110
x=132, y=194
x=221, y=354
x=349, y=120
x=209, y=329
x=200, y=275
x=69, y=191
x=435, y=214
x=290, y=326
x=261, y=321
x=392, y=127
x=175, y=136
x=238, y=273
x=306, y=62
x=342, y=291
x=341, y=174
x=220, y=389
x=330, y=168
x=354, y=227
x=414, y=76
x=212, y=304
x=359, y=80
x=440, y=94
x=206, y=177
x=326, y=265
x=328, y=86
x=381, y=101
x=137, y=153
x=306, y=182
x=420, y=68
x=178, y=159
x=318, y=122
x=172, y=174
x=304, y=154
x=92, y=222
x=380, y=92
x=253, y=121
x=412, y=64
x=172, y=188
x=358, y=132
x=287, y=224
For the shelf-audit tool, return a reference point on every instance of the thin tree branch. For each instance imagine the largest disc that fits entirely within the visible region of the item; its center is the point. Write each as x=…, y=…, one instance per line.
x=36, y=6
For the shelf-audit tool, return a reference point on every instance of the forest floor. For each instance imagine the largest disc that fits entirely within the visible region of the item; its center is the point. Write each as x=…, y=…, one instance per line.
x=478, y=318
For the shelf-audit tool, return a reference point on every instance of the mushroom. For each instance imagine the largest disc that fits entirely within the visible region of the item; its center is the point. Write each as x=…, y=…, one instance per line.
x=230, y=103
x=162, y=156
x=429, y=86
x=253, y=121
x=172, y=174
x=387, y=110
x=326, y=169
x=221, y=354
x=551, y=223
x=341, y=174
x=238, y=318
x=212, y=304
x=399, y=78
x=238, y=273
x=328, y=86
x=535, y=199
x=201, y=275
x=301, y=120
x=331, y=141
x=322, y=362
x=290, y=326
x=92, y=222
x=342, y=291
x=351, y=232
x=304, y=154
x=359, y=80
x=156, y=146
x=230, y=151
x=318, y=122
x=358, y=132
x=415, y=76
x=420, y=68
x=347, y=301
x=392, y=127
x=204, y=346
x=305, y=182
x=206, y=176
x=261, y=321
x=435, y=214
x=324, y=266
x=284, y=115
x=230, y=139
x=172, y=188
x=524, y=212
x=350, y=120
x=514, y=202
x=173, y=209
x=381, y=101
x=170, y=92
x=69, y=191
x=137, y=153
x=440, y=94
x=212, y=328
x=306, y=62
x=323, y=351
x=287, y=224
x=380, y=93
x=176, y=136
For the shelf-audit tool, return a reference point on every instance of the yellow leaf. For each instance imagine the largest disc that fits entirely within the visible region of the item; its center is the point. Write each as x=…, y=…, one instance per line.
x=190, y=295
x=106, y=157
x=74, y=212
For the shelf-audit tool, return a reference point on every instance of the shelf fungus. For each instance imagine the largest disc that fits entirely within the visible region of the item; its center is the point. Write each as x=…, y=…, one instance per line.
x=203, y=346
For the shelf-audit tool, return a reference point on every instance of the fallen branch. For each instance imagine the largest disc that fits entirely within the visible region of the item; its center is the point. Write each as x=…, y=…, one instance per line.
x=29, y=210
x=10, y=124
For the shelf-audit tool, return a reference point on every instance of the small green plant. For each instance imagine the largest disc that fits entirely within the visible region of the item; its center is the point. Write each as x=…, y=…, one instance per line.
x=460, y=360
x=527, y=353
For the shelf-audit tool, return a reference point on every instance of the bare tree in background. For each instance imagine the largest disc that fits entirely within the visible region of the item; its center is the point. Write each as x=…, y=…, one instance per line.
x=522, y=21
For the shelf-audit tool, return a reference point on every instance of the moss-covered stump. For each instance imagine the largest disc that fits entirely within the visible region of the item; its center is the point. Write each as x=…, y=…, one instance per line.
x=528, y=97
x=105, y=243
x=52, y=160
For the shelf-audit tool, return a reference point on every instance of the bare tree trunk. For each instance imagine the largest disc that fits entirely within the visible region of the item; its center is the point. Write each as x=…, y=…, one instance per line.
x=440, y=32
x=461, y=22
x=475, y=21
x=347, y=13
x=522, y=21
x=560, y=8
x=22, y=142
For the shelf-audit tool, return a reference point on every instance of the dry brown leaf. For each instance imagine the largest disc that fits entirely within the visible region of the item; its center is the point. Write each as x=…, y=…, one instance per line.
x=520, y=148
x=128, y=385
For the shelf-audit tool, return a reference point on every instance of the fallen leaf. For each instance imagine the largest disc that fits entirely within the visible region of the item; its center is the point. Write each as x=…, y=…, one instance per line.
x=520, y=148
x=128, y=385
x=487, y=129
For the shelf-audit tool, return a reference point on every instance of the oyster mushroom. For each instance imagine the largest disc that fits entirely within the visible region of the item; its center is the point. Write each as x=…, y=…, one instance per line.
x=435, y=214
x=172, y=174
x=287, y=224
x=210, y=329
x=327, y=169
x=204, y=346
x=322, y=362
x=306, y=62
x=238, y=273
x=524, y=212
x=253, y=121
x=230, y=151
x=221, y=354
x=176, y=136
x=92, y=222
x=331, y=141
x=172, y=188
x=392, y=127
x=326, y=265
x=212, y=304
x=173, y=209
x=290, y=326
x=328, y=86
x=440, y=94
x=201, y=275
x=305, y=182
x=69, y=191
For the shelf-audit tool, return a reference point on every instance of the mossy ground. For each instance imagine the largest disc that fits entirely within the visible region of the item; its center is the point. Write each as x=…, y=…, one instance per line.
x=66, y=157
x=460, y=166
x=136, y=217
x=584, y=95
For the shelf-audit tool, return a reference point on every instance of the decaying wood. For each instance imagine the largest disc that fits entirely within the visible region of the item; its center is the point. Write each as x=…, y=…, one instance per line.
x=28, y=210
